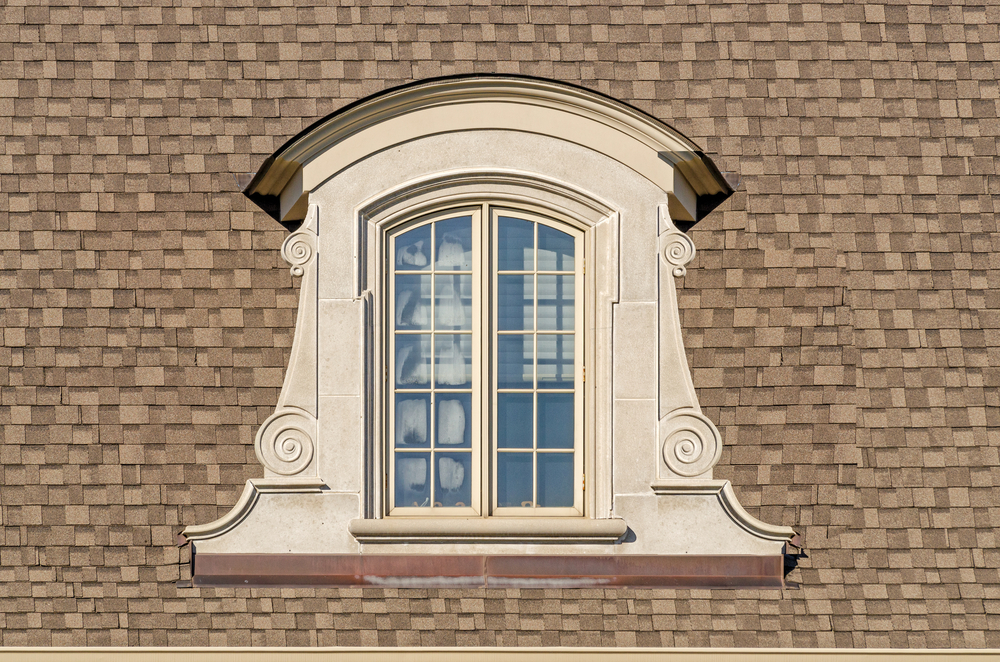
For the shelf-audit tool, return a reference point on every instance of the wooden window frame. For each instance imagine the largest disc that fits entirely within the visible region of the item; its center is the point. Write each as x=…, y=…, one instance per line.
x=485, y=218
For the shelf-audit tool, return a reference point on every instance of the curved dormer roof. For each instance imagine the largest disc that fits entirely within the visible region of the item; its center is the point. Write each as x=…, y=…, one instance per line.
x=657, y=151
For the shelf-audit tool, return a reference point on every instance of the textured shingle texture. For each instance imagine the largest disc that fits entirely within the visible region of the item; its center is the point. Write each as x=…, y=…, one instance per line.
x=842, y=316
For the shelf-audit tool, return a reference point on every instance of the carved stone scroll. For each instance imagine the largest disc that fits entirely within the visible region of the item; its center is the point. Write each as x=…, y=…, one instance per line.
x=286, y=442
x=690, y=444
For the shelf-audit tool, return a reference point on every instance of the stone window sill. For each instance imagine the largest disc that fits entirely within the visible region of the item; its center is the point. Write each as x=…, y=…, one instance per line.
x=514, y=530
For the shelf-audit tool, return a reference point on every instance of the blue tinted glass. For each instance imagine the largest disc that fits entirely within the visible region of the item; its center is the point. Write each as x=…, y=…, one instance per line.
x=515, y=303
x=453, y=480
x=413, y=481
x=413, y=302
x=555, y=250
x=555, y=420
x=454, y=420
x=453, y=361
x=556, y=303
x=413, y=249
x=555, y=480
x=453, y=244
x=514, y=480
x=555, y=361
x=516, y=244
x=514, y=361
x=514, y=418
x=413, y=361
x=413, y=421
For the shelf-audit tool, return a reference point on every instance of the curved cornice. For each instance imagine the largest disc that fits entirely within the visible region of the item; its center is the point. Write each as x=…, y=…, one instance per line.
x=469, y=103
x=723, y=491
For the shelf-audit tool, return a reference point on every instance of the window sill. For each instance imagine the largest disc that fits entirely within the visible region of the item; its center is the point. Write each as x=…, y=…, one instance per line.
x=534, y=529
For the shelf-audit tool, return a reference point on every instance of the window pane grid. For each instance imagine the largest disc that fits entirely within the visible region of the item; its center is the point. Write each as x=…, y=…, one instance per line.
x=529, y=329
x=432, y=452
x=529, y=475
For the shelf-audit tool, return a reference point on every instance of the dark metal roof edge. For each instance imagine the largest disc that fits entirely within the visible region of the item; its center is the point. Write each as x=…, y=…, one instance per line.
x=272, y=208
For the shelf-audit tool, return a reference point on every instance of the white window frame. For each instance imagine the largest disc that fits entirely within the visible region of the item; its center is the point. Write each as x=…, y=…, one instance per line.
x=485, y=223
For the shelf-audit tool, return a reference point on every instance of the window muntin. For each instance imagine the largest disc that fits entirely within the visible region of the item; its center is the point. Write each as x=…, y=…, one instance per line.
x=485, y=404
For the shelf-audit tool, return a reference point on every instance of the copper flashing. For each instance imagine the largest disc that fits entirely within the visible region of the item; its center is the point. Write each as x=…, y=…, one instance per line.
x=488, y=571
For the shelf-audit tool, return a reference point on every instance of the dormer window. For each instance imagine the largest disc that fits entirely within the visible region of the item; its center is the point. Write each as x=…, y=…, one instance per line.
x=488, y=384
x=485, y=359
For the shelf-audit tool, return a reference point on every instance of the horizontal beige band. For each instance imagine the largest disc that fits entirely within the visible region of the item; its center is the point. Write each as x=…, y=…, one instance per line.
x=121, y=654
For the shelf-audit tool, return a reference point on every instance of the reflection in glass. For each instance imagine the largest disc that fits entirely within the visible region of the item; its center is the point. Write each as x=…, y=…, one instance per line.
x=413, y=249
x=555, y=480
x=413, y=485
x=413, y=360
x=413, y=420
x=514, y=480
x=454, y=420
x=453, y=360
x=555, y=303
x=452, y=302
x=514, y=361
x=413, y=302
x=453, y=244
x=555, y=250
x=517, y=241
x=453, y=480
x=555, y=361
x=555, y=420
x=515, y=303
x=514, y=420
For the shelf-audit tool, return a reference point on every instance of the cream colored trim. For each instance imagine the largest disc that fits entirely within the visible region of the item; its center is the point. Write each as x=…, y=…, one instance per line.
x=498, y=529
x=649, y=147
x=723, y=489
x=246, y=502
x=484, y=654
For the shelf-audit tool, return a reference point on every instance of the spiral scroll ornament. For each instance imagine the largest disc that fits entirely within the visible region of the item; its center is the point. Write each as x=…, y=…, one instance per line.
x=297, y=250
x=691, y=443
x=676, y=249
x=285, y=443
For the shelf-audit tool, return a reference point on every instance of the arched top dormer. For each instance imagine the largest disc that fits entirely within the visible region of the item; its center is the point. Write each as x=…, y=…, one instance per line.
x=651, y=148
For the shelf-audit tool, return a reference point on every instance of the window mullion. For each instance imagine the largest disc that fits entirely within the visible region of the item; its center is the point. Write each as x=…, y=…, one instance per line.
x=484, y=262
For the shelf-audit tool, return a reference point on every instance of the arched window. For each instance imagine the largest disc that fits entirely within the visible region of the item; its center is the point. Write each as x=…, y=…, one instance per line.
x=485, y=364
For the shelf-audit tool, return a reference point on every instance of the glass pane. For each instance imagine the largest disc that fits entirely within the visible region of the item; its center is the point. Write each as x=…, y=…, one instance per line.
x=517, y=241
x=453, y=361
x=413, y=485
x=413, y=249
x=555, y=361
x=555, y=420
x=454, y=420
x=453, y=244
x=556, y=303
x=514, y=361
x=413, y=361
x=453, y=479
x=555, y=250
x=413, y=302
x=514, y=480
x=413, y=423
x=555, y=480
x=515, y=303
x=453, y=302
x=514, y=418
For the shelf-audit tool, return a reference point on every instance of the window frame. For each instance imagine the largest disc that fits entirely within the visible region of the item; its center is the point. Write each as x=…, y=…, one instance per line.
x=485, y=213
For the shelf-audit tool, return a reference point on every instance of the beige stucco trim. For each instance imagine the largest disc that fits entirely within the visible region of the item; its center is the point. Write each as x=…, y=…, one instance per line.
x=251, y=493
x=483, y=654
x=649, y=147
x=723, y=490
x=498, y=529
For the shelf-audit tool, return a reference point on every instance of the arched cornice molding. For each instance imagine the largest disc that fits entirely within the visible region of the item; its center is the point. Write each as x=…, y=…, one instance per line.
x=651, y=148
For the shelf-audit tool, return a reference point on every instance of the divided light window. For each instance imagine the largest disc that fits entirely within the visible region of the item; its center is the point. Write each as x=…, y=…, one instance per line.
x=485, y=365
